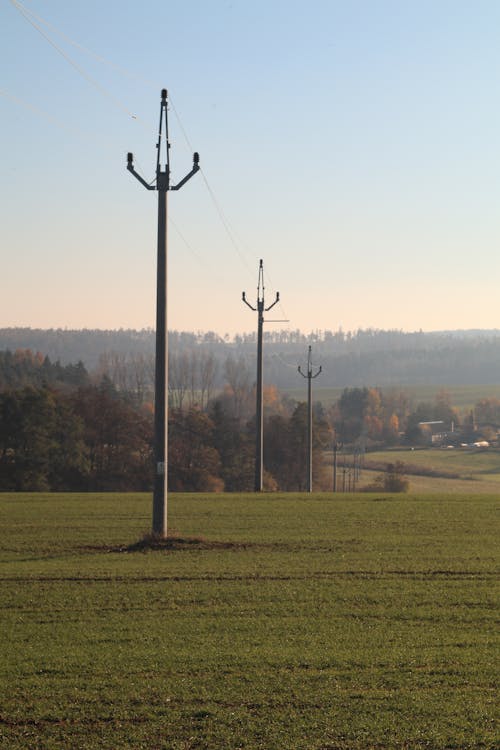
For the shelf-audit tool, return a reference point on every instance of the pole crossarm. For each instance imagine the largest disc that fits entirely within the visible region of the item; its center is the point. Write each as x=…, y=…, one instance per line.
x=163, y=175
x=196, y=167
x=261, y=308
x=162, y=186
x=130, y=167
x=309, y=373
x=243, y=297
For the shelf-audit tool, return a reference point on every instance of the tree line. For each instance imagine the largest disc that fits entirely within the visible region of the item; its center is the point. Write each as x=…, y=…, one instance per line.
x=63, y=429
x=59, y=432
x=352, y=358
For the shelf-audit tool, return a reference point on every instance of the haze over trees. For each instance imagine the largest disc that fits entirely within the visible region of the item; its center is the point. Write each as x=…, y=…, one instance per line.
x=361, y=358
x=65, y=427
x=83, y=433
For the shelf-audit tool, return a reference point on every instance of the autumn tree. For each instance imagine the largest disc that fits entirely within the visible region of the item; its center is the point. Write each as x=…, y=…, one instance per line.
x=41, y=441
x=207, y=371
x=440, y=410
x=487, y=412
x=118, y=438
x=286, y=448
x=179, y=376
x=238, y=385
x=193, y=461
x=235, y=444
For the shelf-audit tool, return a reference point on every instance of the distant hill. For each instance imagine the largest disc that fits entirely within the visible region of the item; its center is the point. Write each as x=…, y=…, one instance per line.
x=365, y=357
x=70, y=346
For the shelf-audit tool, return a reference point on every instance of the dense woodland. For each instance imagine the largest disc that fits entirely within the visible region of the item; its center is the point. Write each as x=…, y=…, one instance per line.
x=361, y=358
x=65, y=428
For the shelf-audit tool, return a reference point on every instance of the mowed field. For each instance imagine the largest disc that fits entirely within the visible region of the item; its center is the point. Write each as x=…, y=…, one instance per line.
x=320, y=622
x=437, y=470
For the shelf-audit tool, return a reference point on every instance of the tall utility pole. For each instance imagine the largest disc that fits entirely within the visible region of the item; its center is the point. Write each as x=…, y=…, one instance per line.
x=259, y=415
x=162, y=186
x=309, y=375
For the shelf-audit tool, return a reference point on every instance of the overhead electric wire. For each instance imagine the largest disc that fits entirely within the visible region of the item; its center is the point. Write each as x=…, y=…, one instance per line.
x=68, y=59
x=277, y=355
x=86, y=136
x=36, y=22
x=220, y=212
x=97, y=138
x=280, y=304
x=26, y=11
x=225, y=223
x=196, y=254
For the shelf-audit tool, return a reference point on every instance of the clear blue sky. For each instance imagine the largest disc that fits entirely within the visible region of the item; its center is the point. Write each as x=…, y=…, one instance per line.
x=354, y=146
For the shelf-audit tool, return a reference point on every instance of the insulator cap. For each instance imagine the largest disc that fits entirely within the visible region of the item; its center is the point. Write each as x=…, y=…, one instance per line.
x=196, y=158
x=130, y=157
x=164, y=94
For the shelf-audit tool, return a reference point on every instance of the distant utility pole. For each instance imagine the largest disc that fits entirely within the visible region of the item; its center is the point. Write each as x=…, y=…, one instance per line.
x=309, y=375
x=336, y=447
x=259, y=415
x=162, y=186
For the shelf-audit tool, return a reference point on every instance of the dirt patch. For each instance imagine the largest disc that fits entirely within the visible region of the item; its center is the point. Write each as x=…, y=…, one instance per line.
x=174, y=542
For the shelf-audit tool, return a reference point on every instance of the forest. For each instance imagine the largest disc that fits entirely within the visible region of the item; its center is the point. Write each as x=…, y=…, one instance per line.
x=360, y=358
x=63, y=428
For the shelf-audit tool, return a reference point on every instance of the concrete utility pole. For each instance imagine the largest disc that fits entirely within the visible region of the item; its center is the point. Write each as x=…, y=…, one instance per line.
x=309, y=375
x=336, y=447
x=259, y=416
x=162, y=186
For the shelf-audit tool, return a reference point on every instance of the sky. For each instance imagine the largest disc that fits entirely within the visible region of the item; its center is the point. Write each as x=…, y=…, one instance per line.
x=353, y=146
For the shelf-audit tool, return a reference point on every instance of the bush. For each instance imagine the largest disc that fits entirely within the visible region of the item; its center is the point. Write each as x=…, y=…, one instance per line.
x=392, y=480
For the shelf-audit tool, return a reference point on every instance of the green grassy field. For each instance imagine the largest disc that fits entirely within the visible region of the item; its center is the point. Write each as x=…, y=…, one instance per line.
x=472, y=471
x=314, y=622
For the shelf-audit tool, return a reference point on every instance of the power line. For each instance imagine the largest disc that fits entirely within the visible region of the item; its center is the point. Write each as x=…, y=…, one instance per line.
x=27, y=12
x=68, y=59
x=280, y=304
x=225, y=222
x=86, y=136
x=54, y=120
x=37, y=22
x=194, y=252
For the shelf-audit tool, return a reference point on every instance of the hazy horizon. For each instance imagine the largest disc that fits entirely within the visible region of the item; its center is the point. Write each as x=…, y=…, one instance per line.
x=203, y=331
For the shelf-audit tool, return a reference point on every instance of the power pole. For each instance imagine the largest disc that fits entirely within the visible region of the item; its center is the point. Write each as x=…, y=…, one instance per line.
x=309, y=375
x=259, y=412
x=162, y=186
x=336, y=447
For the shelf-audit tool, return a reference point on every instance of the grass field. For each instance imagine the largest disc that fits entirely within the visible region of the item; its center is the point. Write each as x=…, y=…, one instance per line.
x=458, y=470
x=314, y=622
